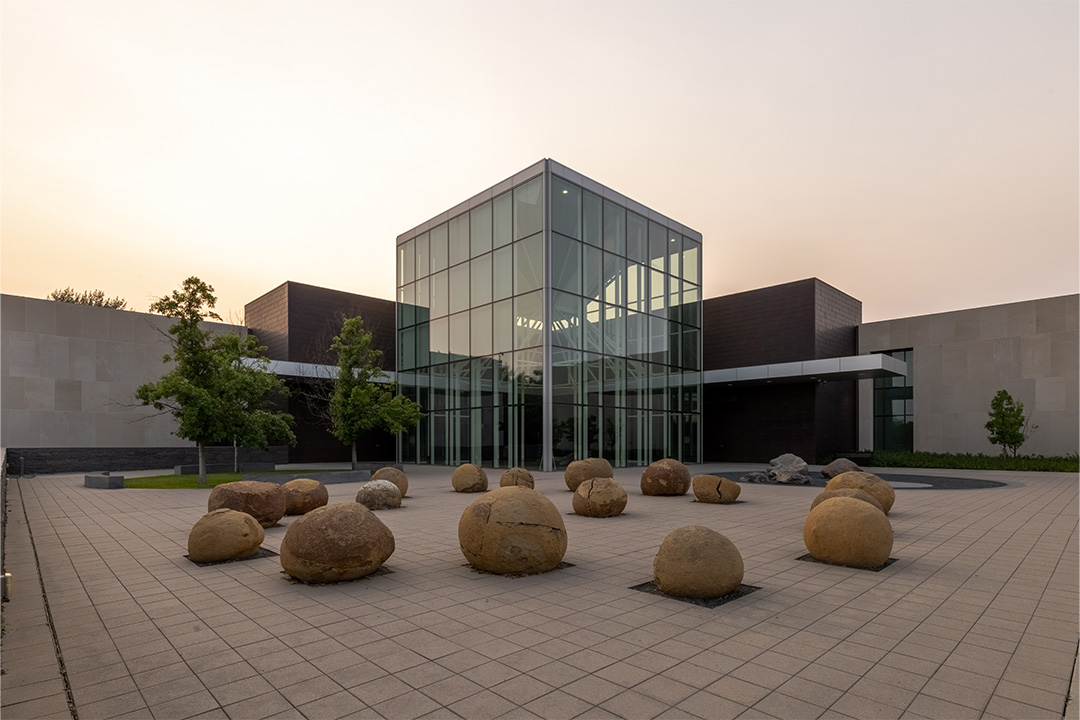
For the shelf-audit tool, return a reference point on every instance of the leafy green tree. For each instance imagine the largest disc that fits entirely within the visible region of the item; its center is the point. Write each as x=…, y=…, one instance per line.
x=219, y=389
x=91, y=297
x=359, y=401
x=1008, y=425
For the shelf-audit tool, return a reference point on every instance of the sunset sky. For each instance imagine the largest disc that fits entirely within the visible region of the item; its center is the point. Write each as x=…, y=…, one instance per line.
x=920, y=156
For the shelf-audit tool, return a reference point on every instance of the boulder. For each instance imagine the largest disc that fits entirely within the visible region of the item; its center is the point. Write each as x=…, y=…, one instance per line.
x=697, y=562
x=871, y=484
x=263, y=501
x=579, y=471
x=303, y=495
x=516, y=476
x=469, y=478
x=788, y=469
x=837, y=466
x=395, y=476
x=755, y=476
x=379, y=495
x=224, y=534
x=337, y=542
x=850, y=532
x=512, y=531
x=712, y=489
x=665, y=477
x=599, y=497
x=846, y=492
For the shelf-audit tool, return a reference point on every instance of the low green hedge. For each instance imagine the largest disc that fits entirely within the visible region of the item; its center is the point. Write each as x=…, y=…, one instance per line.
x=969, y=461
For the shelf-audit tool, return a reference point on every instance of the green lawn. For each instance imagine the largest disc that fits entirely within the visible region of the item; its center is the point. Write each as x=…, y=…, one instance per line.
x=191, y=482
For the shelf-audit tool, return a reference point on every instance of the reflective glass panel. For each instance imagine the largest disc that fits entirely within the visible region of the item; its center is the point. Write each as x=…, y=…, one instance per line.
x=691, y=308
x=565, y=320
x=636, y=293
x=439, y=374
x=657, y=246
x=440, y=294
x=459, y=336
x=657, y=285
x=407, y=307
x=503, y=326
x=563, y=433
x=691, y=343
x=423, y=255
x=691, y=269
x=528, y=264
x=459, y=239
x=480, y=279
x=614, y=228
x=439, y=240
x=637, y=381
x=565, y=264
x=407, y=349
x=637, y=240
x=614, y=279
x=503, y=219
x=614, y=382
x=674, y=300
x=480, y=229
x=423, y=300
x=423, y=341
x=592, y=227
x=594, y=377
x=674, y=346
x=566, y=376
x=565, y=208
x=459, y=287
x=528, y=320
x=440, y=340
x=529, y=207
x=529, y=373
x=503, y=272
x=593, y=271
x=594, y=333
x=481, y=331
x=614, y=330
x=406, y=262
x=658, y=339
x=674, y=251
x=637, y=335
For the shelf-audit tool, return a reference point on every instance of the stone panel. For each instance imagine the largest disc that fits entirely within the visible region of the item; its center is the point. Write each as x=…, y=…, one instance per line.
x=1035, y=356
x=121, y=326
x=53, y=356
x=1064, y=357
x=68, y=395
x=41, y=316
x=13, y=313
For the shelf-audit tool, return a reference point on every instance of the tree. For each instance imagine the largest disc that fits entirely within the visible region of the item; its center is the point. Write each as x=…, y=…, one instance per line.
x=359, y=401
x=1008, y=425
x=92, y=297
x=219, y=389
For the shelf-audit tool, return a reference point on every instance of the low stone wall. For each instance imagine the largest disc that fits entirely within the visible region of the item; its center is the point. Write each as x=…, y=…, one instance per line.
x=326, y=478
x=48, y=461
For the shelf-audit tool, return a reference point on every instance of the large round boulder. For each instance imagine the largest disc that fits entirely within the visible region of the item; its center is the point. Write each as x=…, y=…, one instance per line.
x=713, y=489
x=846, y=492
x=869, y=483
x=579, y=471
x=303, y=495
x=395, y=476
x=512, y=531
x=850, y=532
x=697, y=562
x=263, y=501
x=517, y=476
x=599, y=497
x=338, y=542
x=469, y=478
x=379, y=495
x=665, y=477
x=224, y=534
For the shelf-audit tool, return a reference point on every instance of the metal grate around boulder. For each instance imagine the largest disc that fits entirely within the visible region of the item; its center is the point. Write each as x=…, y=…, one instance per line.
x=381, y=570
x=260, y=553
x=810, y=558
x=560, y=566
x=741, y=591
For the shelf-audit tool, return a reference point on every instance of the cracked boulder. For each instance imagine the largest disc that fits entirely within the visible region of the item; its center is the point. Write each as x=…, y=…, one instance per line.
x=261, y=500
x=224, y=534
x=665, y=477
x=846, y=492
x=395, y=476
x=469, y=478
x=379, y=495
x=338, y=542
x=512, y=531
x=713, y=489
x=579, y=471
x=599, y=498
x=697, y=562
x=303, y=495
x=516, y=476
x=869, y=483
x=850, y=532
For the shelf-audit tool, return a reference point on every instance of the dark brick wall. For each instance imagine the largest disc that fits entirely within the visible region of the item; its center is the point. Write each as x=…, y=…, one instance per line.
x=315, y=443
x=756, y=423
x=267, y=317
x=836, y=321
x=44, y=461
x=757, y=327
x=837, y=419
x=315, y=317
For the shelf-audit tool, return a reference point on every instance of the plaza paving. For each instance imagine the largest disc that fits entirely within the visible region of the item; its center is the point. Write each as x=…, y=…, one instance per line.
x=978, y=616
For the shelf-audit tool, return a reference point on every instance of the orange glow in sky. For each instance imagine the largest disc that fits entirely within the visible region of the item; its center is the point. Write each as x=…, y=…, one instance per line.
x=920, y=156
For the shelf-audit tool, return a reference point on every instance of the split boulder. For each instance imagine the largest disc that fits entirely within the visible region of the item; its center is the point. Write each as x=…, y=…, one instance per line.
x=713, y=489
x=600, y=498
x=517, y=476
x=512, y=531
x=263, y=501
x=579, y=471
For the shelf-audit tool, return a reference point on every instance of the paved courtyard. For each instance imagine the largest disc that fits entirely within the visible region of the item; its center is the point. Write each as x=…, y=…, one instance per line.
x=978, y=616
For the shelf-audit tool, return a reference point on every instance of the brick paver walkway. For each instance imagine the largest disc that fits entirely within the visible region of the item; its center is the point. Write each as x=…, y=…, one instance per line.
x=978, y=616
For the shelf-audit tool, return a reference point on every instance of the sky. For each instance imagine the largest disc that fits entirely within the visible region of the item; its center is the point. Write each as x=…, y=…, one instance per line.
x=921, y=156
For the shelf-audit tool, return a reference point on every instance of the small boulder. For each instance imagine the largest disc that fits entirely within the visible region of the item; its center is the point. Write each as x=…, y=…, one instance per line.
x=379, y=495
x=665, y=477
x=755, y=476
x=788, y=469
x=224, y=534
x=697, y=562
x=849, y=532
x=395, y=476
x=600, y=498
x=713, y=489
x=837, y=466
x=263, y=501
x=338, y=542
x=303, y=495
x=579, y=471
x=870, y=483
x=516, y=476
x=512, y=531
x=846, y=492
x=469, y=478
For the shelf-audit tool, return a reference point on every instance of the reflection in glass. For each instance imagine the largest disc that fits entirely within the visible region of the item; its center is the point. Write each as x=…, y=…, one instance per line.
x=614, y=330
x=440, y=340
x=459, y=239
x=503, y=326
x=614, y=279
x=528, y=264
x=423, y=255
x=503, y=272
x=459, y=336
x=480, y=272
x=657, y=246
x=593, y=272
x=565, y=320
x=406, y=262
x=565, y=208
x=594, y=334
x=565, y=264
x=440, y=294
x=614, y=228
x=481, y=331
x=439, y=236
x=528, y=320
x=637, y=238
x=529, y=208
x=592, y=219
x=480, y=229
x=459, y=287
x=503, y=212
x=691, y=270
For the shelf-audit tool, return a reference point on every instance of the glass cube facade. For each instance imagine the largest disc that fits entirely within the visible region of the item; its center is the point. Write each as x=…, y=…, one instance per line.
x=547, y=320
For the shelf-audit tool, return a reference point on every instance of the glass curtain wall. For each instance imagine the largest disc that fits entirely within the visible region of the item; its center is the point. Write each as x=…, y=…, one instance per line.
x=617, y=299
x=894, y=411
